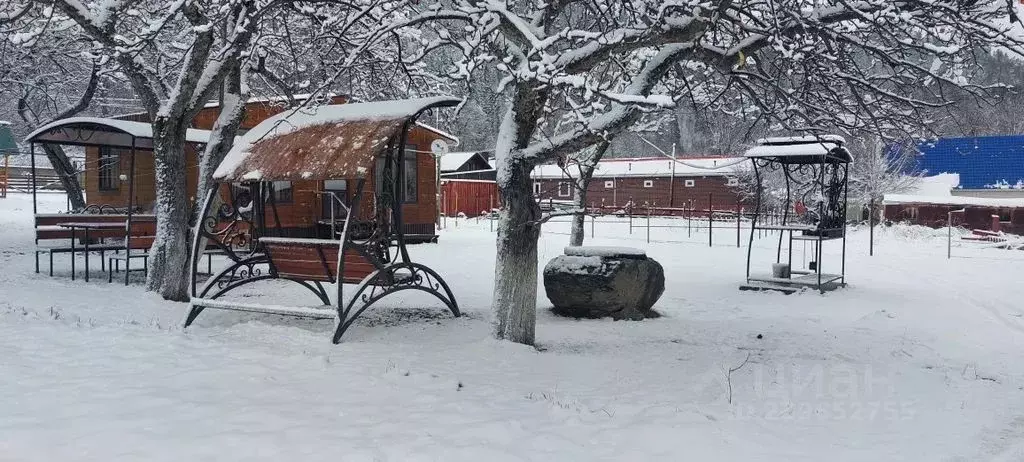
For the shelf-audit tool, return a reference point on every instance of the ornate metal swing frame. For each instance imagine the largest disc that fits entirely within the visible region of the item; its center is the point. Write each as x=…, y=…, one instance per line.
x=821, y=165
x=371, y=253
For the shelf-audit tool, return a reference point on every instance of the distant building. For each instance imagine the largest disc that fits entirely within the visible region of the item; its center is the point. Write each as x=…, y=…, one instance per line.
x=980, y=179
x=466, y=166
x=653, y=182
x=467, y=184
x=988, y=166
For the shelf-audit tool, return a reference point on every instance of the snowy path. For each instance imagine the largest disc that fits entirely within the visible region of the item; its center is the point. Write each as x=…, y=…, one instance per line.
x=917, y=360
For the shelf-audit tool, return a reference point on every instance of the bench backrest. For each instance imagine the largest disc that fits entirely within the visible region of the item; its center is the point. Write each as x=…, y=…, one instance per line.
x=47, y=226
x=315, y=260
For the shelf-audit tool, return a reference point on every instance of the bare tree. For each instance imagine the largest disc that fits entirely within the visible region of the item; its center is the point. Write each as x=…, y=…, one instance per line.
x=796, y=66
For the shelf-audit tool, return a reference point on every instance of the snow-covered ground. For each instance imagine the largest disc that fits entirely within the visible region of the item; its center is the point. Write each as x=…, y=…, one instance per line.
x=918, y=359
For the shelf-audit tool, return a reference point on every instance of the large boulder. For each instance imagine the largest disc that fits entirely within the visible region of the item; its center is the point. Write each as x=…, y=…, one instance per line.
x=596, y=282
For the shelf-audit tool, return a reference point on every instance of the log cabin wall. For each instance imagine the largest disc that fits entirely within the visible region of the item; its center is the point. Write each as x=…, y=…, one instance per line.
x=301, y=210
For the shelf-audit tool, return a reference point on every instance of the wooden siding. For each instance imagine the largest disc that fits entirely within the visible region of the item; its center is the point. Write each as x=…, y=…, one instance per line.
x=661, y=192
x=1011, y=219
x=472, y=198
x=301, y=214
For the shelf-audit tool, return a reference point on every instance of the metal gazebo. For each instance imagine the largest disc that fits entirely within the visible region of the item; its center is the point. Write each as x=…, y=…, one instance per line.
x=815, y=171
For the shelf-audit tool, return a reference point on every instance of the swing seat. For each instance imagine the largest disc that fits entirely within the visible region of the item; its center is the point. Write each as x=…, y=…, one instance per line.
x=315, y=260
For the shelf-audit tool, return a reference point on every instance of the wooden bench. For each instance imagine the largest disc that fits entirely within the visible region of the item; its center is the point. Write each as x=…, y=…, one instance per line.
x=314, y=260
x=48, y=229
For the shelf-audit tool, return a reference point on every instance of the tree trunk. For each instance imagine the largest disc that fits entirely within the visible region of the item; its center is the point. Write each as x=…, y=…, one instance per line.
x=581, y=186
x=232, y=110
x=515, y=269
x=576, y=234
x=169, y=256
x=65, y=170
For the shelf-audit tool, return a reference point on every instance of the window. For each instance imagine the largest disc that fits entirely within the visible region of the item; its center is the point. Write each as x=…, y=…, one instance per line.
x=689, y=183
x=536, y=189
x=648, y=183
x=408, y=189
x=283, y=192
x=564, y=189
x=334, y=191
x=410, y=176
x=109, y=169
x=732, y=182
x=609, y=184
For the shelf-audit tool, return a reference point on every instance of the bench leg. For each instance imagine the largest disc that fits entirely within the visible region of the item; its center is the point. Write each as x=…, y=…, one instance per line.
x=103, y=260
x=37, y=262
x=127, y=265
x=209, y=264
x=51, y=262
x=110, y=271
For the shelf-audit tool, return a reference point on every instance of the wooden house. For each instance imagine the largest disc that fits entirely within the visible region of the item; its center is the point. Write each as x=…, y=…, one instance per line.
x=657, y=182
x=304, y=208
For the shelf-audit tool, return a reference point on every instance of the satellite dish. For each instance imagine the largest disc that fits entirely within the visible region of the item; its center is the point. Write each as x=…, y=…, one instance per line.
x=439, y=147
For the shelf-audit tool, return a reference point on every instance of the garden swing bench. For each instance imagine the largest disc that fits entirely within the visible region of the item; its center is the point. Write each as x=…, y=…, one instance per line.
x=357, y=142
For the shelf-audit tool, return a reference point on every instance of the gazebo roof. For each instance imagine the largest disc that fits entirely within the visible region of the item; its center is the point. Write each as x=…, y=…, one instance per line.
x=97, y=131
x=825, y=149
x=324, y=142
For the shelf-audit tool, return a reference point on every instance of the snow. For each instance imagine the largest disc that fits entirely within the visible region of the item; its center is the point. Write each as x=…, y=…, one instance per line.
x=603, y=251
x=453, y=160
x=918, y=359
x=651, y=167
x=292, y=120
x=936, y=185
x=953, y=200
x=789, y=150
x=136, y=129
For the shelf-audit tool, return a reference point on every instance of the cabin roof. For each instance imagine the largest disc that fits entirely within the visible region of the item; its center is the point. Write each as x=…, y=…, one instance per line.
x=323, y=142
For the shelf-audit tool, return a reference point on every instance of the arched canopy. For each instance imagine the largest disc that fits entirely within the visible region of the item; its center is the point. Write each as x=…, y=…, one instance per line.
x=324, y=142
x=825, y=149
x=97, y=131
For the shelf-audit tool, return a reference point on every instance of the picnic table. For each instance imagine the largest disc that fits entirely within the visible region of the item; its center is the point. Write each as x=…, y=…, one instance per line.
x=86, y=226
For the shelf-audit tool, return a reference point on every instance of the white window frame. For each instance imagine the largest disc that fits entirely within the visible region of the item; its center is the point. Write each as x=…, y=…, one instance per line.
x=567, y=186
x=609, y=184
x=689, y=183
x=648, y=183
x=732, y=182
x=536, y=188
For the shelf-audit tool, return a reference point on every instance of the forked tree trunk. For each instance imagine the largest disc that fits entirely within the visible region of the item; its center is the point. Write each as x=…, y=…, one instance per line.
x=169, y=255
x=515, y=270
x=232, y=110
x=581, y=185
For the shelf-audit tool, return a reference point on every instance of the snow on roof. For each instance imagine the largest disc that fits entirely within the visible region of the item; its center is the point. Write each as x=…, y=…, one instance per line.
x=453, y=160
x=803, y=149
x=437, y=131
x=363, y=127
x=652, y=167
x=802, y=139
x=135, y=129
x=936, y=185
x=893, y=199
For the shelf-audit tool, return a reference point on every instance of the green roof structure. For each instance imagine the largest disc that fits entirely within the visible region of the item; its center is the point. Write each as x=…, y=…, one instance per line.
x=7, y=144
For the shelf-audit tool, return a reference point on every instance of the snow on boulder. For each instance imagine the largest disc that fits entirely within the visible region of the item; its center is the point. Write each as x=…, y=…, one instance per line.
x=604, y=251
x=596, y=282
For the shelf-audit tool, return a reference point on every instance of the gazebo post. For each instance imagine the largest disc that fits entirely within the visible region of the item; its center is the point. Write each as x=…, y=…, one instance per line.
x=32, y=159
x=128, y=226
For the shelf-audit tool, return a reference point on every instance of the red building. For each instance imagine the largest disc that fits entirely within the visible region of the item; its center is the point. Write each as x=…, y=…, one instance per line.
x=689, y=183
